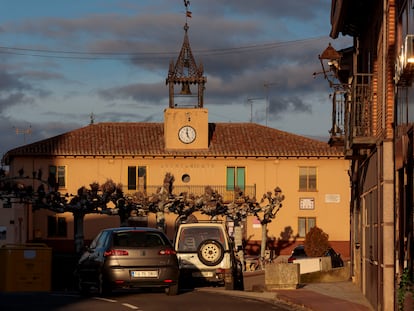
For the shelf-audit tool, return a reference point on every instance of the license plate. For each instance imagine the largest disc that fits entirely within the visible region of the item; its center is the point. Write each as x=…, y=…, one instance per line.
x=144, y=274
x=203, y=274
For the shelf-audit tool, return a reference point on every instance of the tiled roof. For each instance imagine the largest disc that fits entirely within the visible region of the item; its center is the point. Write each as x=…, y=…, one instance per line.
x=147, y=139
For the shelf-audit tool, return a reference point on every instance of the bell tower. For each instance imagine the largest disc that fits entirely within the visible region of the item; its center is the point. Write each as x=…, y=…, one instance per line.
x=186, y=120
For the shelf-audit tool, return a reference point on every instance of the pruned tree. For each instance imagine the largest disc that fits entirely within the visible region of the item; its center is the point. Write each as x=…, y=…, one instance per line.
x=237, y=211
x=267, y=212
x=211, y=203
x=109, y=199
x=161, y=201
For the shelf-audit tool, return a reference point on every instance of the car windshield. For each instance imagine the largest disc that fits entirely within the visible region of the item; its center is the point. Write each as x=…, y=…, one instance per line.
x=191, y=238
x=137, y=239
x=299, y=251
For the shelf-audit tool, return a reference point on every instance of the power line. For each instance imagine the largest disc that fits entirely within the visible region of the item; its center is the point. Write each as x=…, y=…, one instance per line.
x=99, y=55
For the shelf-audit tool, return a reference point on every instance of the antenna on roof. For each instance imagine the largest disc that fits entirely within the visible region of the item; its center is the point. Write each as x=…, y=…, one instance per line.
x=92, y=117
x=25, y=131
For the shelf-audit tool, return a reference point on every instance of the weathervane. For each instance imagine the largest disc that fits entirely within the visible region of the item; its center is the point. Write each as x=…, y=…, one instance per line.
x=187, y=12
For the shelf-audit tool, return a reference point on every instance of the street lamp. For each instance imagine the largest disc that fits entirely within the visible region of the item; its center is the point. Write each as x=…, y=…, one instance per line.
x=330, y=62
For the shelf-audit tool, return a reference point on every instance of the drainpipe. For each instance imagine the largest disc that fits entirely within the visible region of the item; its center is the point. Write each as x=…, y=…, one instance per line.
x=380, y=211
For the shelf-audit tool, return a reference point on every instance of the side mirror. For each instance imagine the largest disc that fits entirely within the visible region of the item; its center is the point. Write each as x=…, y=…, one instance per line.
x=87, y=248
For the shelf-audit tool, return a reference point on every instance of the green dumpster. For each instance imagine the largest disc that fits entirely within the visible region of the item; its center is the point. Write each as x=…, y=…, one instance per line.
x=25, y=267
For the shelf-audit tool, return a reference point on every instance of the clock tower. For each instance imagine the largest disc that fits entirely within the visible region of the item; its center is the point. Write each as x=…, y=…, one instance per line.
x=186, y=120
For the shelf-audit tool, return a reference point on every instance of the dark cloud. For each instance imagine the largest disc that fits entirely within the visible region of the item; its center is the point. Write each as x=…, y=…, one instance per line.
x=10, y=82
x=137, y=92
x=11, y=100
x=279, y=105
x=287, y=9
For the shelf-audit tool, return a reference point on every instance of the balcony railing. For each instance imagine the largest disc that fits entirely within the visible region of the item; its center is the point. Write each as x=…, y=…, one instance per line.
x=358, y=114
x=337, y=132
x=227, y=193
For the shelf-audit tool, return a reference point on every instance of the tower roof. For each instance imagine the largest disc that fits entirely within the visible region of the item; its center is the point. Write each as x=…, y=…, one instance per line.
x=185, y=71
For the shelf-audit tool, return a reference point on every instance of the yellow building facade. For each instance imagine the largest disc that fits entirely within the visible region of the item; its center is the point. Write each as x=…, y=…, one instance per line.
x=312, y=176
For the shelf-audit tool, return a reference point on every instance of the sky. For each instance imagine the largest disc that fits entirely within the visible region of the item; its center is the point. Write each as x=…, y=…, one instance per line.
x=63, y=62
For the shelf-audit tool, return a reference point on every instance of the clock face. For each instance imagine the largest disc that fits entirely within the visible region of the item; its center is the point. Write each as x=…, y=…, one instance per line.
x=187, y=134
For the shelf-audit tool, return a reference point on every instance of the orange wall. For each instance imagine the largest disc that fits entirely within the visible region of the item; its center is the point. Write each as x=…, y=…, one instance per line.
x=266, y=174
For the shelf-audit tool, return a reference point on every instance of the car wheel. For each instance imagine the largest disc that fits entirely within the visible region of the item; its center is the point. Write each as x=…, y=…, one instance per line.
x=172, y=290
x=229, y=283
x=103, y=288
x=210, y=252
x=84, y=289
x=239, y=283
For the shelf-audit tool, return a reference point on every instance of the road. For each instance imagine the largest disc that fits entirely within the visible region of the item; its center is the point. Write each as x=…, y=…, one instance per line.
x=197, y=300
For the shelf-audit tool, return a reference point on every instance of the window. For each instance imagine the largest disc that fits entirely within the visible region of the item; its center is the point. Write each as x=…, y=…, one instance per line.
x=142, y=178
x=56, y=226
x=305, y=224
x=57, y=176
x=235, y=178
x=307, y=178
x=137, y=181
x=132, y=178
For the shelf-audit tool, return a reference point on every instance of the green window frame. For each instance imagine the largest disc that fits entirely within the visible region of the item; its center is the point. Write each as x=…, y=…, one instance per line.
x=235, y=177
x=307, y=178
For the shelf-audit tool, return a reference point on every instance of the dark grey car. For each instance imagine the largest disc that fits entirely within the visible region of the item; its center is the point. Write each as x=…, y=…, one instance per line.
x=129, y=257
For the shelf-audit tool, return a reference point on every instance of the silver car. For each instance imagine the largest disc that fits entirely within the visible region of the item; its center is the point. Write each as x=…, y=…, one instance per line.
x=129, y=257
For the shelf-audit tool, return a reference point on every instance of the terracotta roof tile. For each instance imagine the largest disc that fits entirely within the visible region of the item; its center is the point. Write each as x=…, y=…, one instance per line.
x=147, y=139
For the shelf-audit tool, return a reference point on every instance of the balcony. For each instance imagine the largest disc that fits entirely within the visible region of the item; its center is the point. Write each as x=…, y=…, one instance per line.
x=227, y=194
x=337, y=132
x=358, y=115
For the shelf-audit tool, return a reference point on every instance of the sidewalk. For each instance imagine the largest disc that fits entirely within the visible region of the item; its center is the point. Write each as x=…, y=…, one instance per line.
x=338, y=296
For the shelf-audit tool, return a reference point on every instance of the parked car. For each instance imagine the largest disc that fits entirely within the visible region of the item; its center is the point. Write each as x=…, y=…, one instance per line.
x=206, y=253
x=129, y=257
x=299, y=253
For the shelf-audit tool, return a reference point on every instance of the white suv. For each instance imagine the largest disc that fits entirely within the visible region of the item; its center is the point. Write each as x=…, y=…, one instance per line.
x=206, y=253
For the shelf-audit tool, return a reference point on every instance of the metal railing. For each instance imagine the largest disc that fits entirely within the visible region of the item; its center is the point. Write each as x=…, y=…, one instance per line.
x=358, y=112
x=361, y=105
x=228, y=193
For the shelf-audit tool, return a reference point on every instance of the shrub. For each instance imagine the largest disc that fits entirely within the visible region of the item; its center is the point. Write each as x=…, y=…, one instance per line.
x=316, y=242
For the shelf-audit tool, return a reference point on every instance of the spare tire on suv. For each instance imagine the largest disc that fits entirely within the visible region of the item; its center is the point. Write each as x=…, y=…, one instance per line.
x=206, y=253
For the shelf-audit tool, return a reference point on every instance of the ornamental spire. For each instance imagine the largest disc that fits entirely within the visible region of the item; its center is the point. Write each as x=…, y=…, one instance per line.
x=185, y=71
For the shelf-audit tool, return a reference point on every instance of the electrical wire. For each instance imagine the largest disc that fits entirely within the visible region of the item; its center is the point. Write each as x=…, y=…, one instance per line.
x=82, y=55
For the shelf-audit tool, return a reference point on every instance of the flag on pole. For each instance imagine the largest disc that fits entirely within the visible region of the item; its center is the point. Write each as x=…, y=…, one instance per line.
x=188, y=14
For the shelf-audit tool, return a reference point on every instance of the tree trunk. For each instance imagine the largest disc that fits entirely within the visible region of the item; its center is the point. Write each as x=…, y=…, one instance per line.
x=264, y=241
x=78, y=231
x=160, y=220
x=238, y=242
